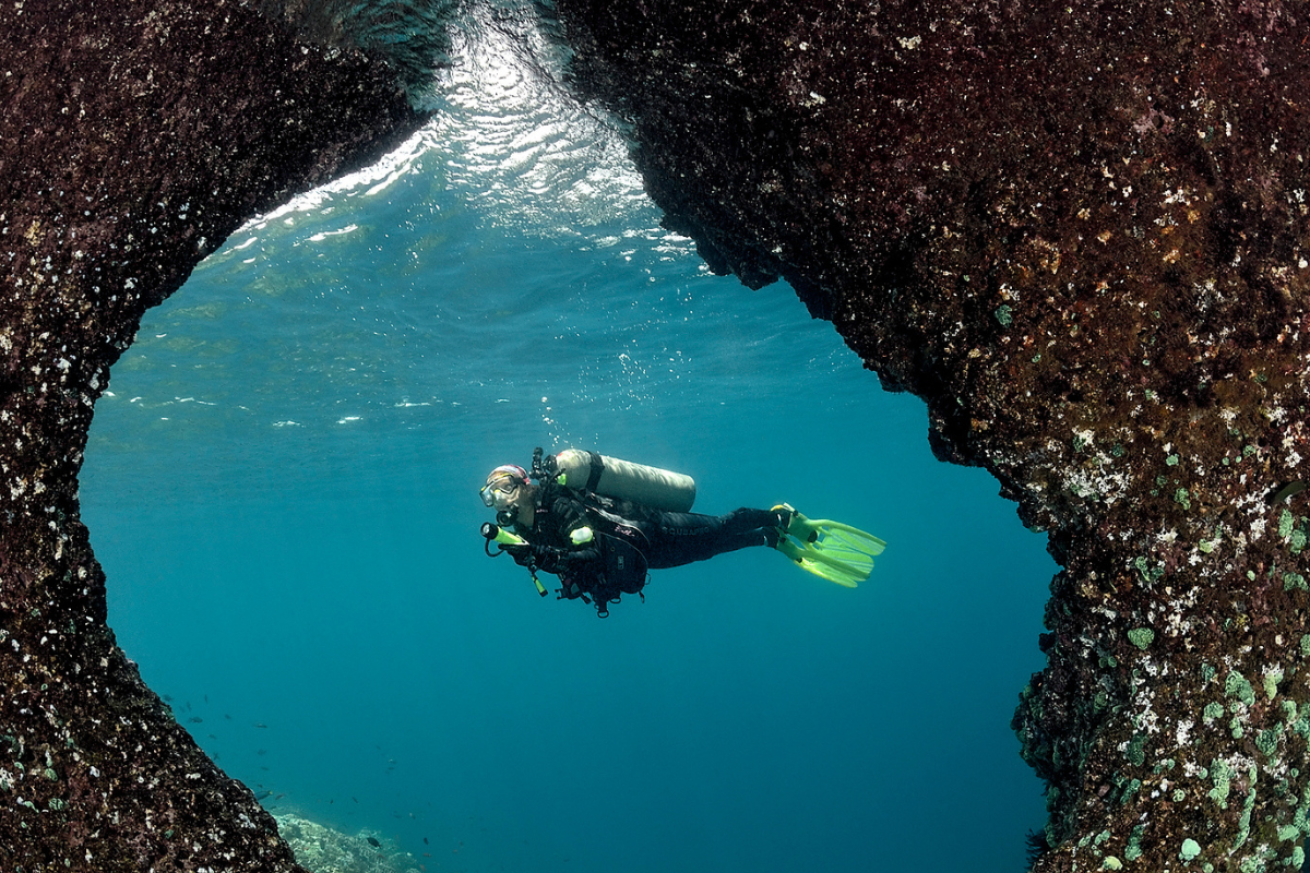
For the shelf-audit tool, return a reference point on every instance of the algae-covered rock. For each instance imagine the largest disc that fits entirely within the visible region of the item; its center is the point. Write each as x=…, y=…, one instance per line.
x=137, y=134
x=1079, y=232
x=323, y=850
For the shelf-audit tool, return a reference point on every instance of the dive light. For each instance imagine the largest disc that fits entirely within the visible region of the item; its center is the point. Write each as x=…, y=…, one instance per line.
x=499, y=535
x=502, y=536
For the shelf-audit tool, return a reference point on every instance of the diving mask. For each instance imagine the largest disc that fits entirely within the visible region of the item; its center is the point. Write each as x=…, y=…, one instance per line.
x=500, y=493
x=502, y=484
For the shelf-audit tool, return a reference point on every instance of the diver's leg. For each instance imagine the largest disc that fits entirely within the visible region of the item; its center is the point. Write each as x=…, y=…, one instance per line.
x=755, y=519
x=684, y=537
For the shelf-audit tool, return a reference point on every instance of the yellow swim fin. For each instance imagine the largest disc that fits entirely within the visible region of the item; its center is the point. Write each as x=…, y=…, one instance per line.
x=829, y=549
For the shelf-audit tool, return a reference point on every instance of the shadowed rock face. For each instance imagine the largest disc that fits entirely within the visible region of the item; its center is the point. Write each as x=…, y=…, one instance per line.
x=1079, y=232
x=136, y=136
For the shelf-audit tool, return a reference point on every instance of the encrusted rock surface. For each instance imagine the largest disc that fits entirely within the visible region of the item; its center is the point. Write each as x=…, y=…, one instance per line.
x=325, y=850
x=136, y=136
x=1079, y=231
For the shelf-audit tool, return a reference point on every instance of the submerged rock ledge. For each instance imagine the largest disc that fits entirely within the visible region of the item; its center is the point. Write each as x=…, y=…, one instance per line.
x=1079, y=232
x=137, y=136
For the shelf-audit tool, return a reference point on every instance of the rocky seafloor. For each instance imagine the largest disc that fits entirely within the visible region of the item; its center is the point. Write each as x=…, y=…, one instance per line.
x=325, y=850
x=1078, y=232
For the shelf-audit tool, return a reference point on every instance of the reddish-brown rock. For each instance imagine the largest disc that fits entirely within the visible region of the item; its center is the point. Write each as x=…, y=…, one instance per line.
x=1079, y=232
x=136, y=136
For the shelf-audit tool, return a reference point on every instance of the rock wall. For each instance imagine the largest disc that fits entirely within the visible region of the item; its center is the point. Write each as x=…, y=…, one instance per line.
x=1079, y=232
x=137, y=134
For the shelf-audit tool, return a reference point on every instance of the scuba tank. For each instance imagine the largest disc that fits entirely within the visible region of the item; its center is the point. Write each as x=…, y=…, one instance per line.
x=624, y=480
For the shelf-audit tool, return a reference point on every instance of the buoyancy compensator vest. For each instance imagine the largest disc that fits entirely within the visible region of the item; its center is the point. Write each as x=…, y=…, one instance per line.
x=600, y=493
x=622, y=569
x=607, y=558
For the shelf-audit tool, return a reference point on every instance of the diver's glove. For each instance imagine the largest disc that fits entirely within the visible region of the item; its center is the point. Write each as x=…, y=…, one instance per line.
x=552, y=559
x=545, y=558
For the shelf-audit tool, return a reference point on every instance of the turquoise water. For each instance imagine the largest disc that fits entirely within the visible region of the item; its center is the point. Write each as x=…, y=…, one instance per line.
x=282, y=486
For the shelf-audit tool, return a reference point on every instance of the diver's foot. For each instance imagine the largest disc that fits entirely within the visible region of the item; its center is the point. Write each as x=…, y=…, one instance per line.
x=793, y=524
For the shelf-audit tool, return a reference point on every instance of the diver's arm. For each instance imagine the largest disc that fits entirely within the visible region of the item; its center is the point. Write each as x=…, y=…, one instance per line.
x=566, y=514
x=552, y=559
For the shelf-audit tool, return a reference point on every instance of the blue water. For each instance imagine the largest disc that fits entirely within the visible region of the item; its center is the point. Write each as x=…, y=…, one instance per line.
x=282, y=487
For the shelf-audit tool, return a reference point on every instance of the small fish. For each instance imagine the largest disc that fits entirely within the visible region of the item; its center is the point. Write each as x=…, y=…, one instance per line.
x=425, y=841
x=374, y=843
x=356, y=799
x=195, y=719
x=279, y=797
x=260, y=724
x=226, y=716
x=263, y=794
x=261, y=752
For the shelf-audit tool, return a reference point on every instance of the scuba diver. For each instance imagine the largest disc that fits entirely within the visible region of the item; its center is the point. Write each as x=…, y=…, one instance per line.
x=600, y=524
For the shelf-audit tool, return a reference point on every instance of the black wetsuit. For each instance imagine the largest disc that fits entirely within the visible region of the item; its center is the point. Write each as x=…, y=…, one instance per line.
x=629, y=538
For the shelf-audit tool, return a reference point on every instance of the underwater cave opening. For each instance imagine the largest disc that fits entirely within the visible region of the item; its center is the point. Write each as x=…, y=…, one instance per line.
x=281, y=485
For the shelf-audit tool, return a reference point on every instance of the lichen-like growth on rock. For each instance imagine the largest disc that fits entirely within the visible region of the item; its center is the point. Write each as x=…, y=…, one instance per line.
x=137, y=135
x=1081, y=234
x=1142, y=637
x=1237, y=686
